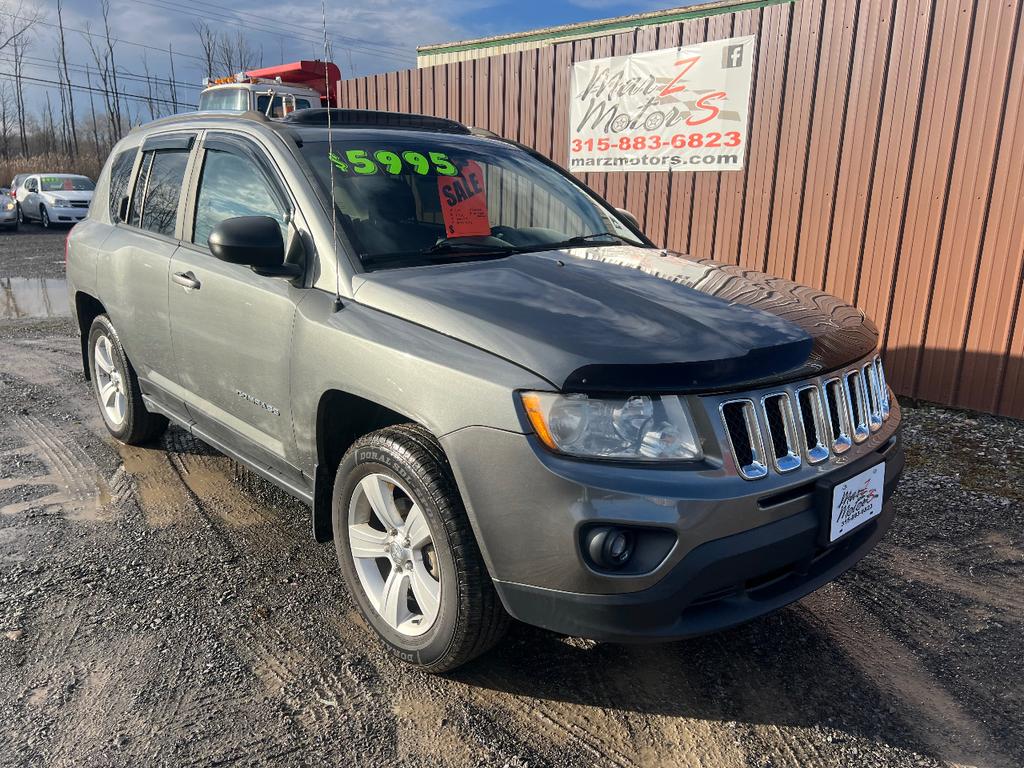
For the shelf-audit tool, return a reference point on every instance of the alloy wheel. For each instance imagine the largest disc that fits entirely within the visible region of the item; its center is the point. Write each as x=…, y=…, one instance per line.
x=394, y=556
x=111, y=384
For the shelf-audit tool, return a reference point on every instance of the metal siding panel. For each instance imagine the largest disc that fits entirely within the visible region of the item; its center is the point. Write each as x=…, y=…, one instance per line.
x=973, y=165
x=992, y=376
x=441, y=90
x=857, y=160
x=637, y=181
x=706, y=183
x=791, y=164
x=513, y=95
x=391, y=94
x=602, y=50
x=560, y=124
x=496, y=95
x=830, y=100
x=545, y=99
x=732, y=190
x=656, y=202
x=453, y=91
x=467, y=92
x=416, y=91
x=895, y=152
x=929, y=185
x=681, y=183
x=615, y=186
x=764, y=135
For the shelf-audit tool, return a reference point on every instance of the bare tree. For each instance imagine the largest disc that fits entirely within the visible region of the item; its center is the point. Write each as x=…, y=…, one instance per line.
x=102, y=59
x=105, y=12
x=235, y=54
x=153, y=110
x=6, y=113
x=92, y=110
x=17, y=22
x=70, y=119
x=208, y=42
x=172, y=85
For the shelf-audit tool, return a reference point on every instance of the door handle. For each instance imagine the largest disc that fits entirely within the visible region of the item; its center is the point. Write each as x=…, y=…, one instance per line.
x=186, y=279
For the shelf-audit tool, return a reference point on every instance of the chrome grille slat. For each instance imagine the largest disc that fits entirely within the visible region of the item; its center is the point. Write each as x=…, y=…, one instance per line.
x=814, y=447
x=756, y=467
x=806, y=422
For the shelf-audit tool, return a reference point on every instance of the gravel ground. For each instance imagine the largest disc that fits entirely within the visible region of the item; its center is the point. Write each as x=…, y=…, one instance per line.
x=163, y=606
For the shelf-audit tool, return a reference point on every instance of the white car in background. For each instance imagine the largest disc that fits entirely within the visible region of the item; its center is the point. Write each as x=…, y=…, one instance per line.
x=55, y=198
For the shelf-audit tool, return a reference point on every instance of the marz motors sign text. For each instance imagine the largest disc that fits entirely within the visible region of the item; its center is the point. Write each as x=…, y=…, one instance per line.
x=681, y=109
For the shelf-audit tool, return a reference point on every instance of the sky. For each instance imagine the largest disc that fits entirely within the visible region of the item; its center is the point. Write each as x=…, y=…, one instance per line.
x=366, y=37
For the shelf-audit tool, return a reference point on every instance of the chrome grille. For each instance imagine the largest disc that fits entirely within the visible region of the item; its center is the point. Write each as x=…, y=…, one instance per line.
x=744, y=438
x=808, y=423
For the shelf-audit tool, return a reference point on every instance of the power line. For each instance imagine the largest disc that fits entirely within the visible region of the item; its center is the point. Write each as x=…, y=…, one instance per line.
x=113, y=38
x=275, y=22
x=227, y=16
x=93, y=70
x=122, y=94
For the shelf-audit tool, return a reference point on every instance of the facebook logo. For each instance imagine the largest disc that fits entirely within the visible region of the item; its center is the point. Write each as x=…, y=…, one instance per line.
x=732, y=56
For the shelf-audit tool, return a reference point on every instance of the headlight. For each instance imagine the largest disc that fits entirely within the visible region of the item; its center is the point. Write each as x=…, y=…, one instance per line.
x=60, y=202
x=637, y=427
x=9, y=207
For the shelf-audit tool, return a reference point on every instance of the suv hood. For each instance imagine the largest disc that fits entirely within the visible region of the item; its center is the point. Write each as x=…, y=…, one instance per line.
x=625, y=319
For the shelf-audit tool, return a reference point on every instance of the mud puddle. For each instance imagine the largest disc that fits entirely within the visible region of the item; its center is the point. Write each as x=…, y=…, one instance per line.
x=33, y=297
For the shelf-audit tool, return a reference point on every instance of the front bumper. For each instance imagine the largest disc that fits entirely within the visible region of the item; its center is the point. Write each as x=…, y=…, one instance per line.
x=718, y=584
x=67, y=214
x=8, y=218
x=741, y=548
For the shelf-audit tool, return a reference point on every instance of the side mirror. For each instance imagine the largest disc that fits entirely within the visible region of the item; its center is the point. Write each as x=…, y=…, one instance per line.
x=254, y=241
x=629, y=217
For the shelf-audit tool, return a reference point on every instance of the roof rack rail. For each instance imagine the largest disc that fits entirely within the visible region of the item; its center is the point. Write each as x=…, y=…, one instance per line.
x=352, y=118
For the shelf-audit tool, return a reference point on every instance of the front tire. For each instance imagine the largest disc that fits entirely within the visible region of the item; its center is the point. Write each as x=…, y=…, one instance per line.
x=44, y=217
x=408, y=554
x=117, y=388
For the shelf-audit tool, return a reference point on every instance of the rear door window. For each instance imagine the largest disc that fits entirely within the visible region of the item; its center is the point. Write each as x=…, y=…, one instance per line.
x=157, y=191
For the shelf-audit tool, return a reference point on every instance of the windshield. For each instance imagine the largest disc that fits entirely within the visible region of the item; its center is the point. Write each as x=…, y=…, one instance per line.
x=408, y=199
x=66, y=184
x=224, y=99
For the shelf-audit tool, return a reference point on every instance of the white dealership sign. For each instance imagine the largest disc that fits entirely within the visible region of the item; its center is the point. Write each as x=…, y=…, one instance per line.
x=679, y=109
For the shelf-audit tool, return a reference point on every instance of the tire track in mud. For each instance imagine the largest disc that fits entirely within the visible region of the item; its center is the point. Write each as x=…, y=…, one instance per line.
x=939, y=720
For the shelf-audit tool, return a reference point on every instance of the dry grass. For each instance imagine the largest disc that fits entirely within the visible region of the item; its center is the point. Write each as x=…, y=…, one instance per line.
x=50, y=162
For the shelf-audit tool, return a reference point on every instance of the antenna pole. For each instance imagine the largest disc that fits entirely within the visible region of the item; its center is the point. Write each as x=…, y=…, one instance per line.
x=330, y=151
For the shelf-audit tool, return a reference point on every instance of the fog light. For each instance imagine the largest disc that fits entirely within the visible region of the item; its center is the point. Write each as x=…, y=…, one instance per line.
x=609, y=546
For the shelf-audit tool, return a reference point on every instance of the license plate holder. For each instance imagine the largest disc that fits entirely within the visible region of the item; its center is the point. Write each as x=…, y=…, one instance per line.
x=849, y=500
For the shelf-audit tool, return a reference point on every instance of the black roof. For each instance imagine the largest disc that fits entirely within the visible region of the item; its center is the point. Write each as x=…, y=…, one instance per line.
x=372, y=118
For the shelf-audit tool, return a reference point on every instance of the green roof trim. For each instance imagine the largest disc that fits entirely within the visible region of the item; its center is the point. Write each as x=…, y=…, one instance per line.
x=599, y=28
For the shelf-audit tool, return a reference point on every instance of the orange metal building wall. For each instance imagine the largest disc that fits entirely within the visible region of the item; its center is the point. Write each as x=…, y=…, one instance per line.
x=885, y=164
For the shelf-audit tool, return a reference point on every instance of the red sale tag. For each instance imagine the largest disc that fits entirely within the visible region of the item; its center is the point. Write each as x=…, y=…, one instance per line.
x=464, y=202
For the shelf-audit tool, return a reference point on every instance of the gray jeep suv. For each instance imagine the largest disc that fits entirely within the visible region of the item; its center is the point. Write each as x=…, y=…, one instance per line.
x=496, y=395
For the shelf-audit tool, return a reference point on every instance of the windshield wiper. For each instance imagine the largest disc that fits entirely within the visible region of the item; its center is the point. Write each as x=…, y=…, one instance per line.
x=455, y=247
x=595, y=238
x=438, y=254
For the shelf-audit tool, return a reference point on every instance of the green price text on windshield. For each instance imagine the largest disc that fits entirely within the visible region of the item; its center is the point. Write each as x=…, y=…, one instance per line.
x=363, y=163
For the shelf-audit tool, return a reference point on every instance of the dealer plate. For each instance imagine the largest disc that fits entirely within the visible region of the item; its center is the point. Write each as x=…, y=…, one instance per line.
x=857, y=500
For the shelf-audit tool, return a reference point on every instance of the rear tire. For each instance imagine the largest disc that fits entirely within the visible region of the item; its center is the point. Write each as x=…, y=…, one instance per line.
x=117, y=388
x=21, y=214
x=408, y=464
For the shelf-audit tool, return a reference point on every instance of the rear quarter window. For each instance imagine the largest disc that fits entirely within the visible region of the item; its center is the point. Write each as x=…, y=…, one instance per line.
x=120, y=175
